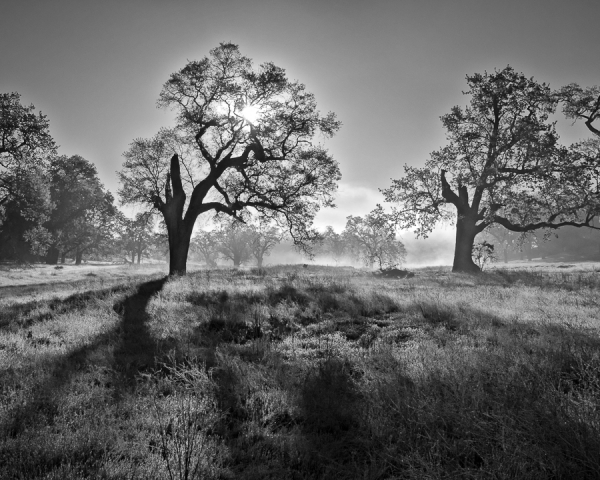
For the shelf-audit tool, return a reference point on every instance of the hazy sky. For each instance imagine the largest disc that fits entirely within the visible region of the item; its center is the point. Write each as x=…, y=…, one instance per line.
x=389, y=69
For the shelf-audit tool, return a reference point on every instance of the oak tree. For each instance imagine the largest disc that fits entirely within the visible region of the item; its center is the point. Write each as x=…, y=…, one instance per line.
x=245, y=138
x=502, y=165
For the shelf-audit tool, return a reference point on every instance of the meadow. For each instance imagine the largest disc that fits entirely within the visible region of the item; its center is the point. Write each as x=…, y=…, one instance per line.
x=300, y=373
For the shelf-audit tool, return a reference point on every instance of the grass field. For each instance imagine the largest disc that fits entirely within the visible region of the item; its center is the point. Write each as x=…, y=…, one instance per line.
x=294, y=373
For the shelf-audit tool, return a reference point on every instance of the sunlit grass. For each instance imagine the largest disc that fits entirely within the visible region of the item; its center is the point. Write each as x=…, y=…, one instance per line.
x=303, y=373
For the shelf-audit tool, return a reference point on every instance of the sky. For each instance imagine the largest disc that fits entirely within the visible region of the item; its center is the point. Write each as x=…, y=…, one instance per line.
x=388, y=69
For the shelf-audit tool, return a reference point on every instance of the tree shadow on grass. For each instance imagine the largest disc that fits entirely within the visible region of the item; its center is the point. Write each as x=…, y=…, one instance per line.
x=24, y=315
x=136, y=350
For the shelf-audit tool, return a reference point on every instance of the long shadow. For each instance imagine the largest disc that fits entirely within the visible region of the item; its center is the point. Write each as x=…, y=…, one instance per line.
x=24, y=315
x=136, y=350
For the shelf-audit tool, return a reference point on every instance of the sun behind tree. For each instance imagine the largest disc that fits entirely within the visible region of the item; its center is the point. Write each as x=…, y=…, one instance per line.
x=244, y=139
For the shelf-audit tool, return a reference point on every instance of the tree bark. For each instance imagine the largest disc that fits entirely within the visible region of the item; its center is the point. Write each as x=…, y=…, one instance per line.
x=179, y=245
x=78, y=257
x=52, y=255
x=139, y=256
x=466, y=231
x=63, y=257
x=259, y=261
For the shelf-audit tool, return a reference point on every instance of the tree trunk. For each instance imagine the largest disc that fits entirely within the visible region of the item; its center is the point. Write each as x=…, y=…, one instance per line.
x=52, y=255
x=132, y=257
x=178, y=253
x=259, y=261
x=505, y=254
x=78, y=257
x=237, y=260
x=63, y=257
x=466, y=231
x=139, y=255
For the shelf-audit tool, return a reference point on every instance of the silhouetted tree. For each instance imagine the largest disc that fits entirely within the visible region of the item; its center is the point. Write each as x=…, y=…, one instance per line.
x=244, y=140
x=505, y=167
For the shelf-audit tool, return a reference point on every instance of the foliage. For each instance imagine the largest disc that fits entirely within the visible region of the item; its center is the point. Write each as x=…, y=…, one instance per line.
x=373, y=239
x=483, y=253
x=263, y=238
x=25, y=147
x=83, y=214
x=582, y=104
x=137, y=235
x=234, y=240
x=25, y=143
x=245, y=139
x=336, y=245
x=206, y=245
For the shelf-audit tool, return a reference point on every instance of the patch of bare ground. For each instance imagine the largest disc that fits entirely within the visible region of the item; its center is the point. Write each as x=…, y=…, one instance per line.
x=290, y=372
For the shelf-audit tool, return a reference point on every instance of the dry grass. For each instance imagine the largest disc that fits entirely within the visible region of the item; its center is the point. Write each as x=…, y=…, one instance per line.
x=303, y=373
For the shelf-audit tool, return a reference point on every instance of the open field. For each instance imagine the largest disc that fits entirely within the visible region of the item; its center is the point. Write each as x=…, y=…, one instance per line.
x=293, y=373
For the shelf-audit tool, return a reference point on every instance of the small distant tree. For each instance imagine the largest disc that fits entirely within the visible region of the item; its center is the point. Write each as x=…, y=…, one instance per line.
x=235, y=241
x=137, y=235
x=483, y=254
x=263, y=238
x=245, y=139
x=92, y=232
x=205, y=244
x=373, y=239
x=335, y=245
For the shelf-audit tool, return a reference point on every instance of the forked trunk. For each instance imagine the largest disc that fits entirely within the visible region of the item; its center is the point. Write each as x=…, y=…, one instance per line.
x=466, y=231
